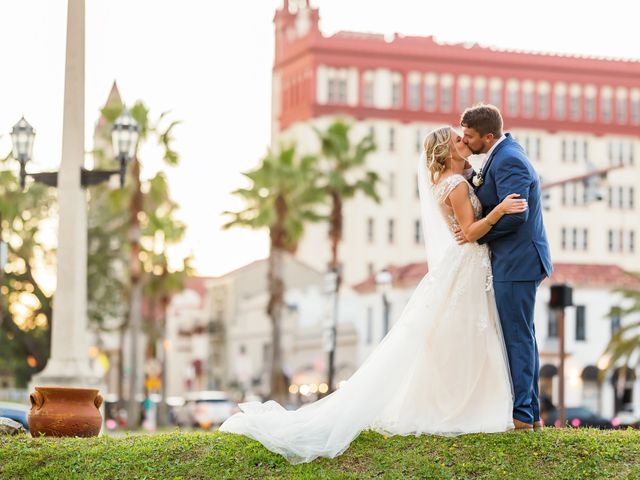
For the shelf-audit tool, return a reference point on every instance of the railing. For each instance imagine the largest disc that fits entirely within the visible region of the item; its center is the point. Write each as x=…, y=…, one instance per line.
x=14, y=395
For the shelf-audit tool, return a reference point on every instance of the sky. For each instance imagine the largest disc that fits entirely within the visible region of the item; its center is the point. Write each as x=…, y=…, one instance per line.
x=209, y=63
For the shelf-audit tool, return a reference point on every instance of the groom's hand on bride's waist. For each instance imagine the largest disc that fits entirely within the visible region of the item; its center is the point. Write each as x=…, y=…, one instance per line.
x=459, y=236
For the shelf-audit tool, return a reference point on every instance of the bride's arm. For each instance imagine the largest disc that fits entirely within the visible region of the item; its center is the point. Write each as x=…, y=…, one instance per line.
x=463, y=210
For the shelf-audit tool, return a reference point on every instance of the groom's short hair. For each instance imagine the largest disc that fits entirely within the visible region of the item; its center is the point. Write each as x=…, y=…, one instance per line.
x=483, y=118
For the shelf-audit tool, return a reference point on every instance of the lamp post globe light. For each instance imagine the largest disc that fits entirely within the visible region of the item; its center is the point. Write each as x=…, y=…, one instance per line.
x=124, y=136
x=22, y=136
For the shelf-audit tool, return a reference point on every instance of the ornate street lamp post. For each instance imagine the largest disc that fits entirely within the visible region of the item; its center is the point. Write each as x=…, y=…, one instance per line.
x=67, y=364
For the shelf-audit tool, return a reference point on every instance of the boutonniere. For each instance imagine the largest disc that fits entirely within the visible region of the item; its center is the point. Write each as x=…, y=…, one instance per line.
x=477, y=179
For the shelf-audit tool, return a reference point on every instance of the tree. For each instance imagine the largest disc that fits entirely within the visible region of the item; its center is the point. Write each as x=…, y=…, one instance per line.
x=160, y=229
x=283, y=197
x=150, y=214
x=342, y=162
x=623, y=348
x=25, y=316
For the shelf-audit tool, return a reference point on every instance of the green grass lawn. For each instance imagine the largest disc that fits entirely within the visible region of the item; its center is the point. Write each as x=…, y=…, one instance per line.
x=563, y=454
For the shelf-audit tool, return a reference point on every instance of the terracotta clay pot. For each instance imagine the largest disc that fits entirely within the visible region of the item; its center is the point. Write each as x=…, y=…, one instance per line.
x=65, y=412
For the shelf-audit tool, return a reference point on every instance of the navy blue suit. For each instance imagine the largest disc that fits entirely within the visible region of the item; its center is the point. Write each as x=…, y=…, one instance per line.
x=520, y=260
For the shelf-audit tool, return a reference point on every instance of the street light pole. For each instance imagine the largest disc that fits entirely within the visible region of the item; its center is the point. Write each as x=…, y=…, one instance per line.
x=561, y=296
x=135, y=310
x=561, y=404
x=383, y=280
x=331, y=287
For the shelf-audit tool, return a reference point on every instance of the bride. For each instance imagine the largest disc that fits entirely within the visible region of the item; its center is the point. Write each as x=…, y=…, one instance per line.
x=442, y=369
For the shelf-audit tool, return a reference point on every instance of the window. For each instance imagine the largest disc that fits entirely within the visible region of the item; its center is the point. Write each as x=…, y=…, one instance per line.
x=610, y=242
x=392, y=139
x=590, y=93
x=416, y=183
x=605, y=105
x=396, y=94
x=479, y=92
x=512, y=97
x=370, y=269
x=631, y=247
x=417, y=232
x=527, y=103
x=563, y=147
x=391, y=230
x=631, y=202
x=369, y=325
x=430, y=92
x=635, y=109
x=575, y=106
x=620, y=197
x=552, y=323
x=616, y=319
x=370, y=235
x=585, y=239
x=337, y=90
x=590, y=108
x=368, y=93
x=581, y=326
x=543, y=104
x=445, y=97
x=563, y=238
x=574, y=238
x=496, y=92
x=419, y=146
x=585, y=149
x=342, y=91
x=464, y=93
x=392, y=185
x=414, y=96
x=560, y=101
x=621, y=106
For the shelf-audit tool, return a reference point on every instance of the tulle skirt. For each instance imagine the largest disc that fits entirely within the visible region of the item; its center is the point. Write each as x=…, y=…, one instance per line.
x=442, y=369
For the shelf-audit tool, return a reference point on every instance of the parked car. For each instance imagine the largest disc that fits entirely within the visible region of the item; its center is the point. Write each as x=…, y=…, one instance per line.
x=625, y=419
x=206, y=409
x=577, y=417
x=16, y=412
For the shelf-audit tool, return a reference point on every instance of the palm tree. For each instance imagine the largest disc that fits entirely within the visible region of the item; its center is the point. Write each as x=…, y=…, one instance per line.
x=341, y=159
x=624, y=345
x=129, y=227
x=282, y=198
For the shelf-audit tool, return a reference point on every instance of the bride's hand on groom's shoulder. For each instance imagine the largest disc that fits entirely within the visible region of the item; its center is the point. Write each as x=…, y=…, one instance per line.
x=513, y=204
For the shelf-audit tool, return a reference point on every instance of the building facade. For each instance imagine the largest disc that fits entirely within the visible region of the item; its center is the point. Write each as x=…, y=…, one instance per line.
x=228, y=322
x=571, y=114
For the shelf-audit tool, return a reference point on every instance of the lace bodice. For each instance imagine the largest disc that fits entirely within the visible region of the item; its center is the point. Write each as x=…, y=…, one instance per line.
x=442, y=191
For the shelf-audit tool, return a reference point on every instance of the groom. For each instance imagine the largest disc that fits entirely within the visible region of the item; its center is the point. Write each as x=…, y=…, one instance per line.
x=519, y=250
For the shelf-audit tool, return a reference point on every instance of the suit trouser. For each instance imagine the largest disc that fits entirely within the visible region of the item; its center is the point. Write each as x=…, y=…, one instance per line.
x=515, y=301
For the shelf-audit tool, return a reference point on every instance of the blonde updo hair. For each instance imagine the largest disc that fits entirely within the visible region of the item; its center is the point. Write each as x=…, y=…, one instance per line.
x=437, y=148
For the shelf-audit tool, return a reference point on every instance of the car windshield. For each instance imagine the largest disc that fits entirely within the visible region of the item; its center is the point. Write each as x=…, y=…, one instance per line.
x=579, y=412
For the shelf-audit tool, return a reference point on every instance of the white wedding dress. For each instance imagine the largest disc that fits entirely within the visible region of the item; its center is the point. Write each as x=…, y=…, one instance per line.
x=442, y=369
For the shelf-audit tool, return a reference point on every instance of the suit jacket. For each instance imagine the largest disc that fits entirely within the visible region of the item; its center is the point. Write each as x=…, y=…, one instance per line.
x=518, y=242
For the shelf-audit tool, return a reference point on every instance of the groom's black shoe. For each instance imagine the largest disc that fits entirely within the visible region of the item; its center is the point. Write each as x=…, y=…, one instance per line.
x=522, y=426
x=537, y=426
